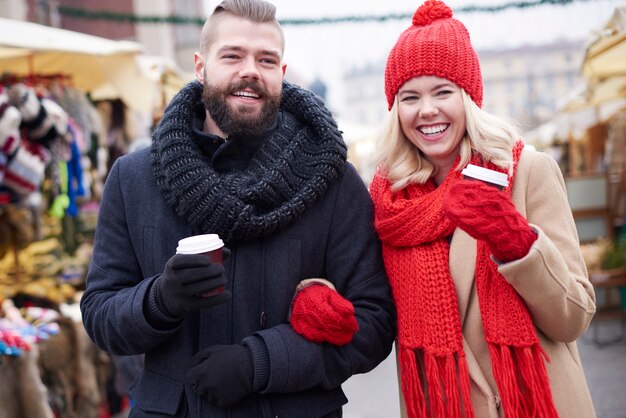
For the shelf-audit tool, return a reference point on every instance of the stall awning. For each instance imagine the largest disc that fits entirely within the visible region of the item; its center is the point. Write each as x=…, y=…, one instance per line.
x=605, y=55
x=88, y=62
x=604, y=67
x=28, y=48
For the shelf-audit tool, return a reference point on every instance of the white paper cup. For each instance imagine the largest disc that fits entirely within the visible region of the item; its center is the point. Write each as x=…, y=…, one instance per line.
x=209, y=244
x=200, y=244
x=491, y=177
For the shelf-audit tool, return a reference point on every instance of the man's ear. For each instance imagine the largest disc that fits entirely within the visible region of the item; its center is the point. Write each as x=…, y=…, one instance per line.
x=198, y=66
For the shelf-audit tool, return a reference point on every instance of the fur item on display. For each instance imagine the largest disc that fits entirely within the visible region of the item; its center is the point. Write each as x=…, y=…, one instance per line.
x=22, y=393
x=63, y=376
x=16, y=228
x=74, y=371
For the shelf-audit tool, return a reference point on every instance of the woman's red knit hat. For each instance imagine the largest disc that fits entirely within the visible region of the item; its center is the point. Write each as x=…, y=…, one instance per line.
x=438, y=45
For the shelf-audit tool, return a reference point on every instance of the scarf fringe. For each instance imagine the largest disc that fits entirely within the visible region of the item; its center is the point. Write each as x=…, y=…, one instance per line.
x=522, y=380
x=465, y=387
x=411, y=386
x=451, y=383
x=447, y=381
x=435, y=394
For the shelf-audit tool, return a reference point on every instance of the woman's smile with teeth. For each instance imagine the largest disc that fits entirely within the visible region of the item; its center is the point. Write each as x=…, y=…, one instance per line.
x=433, y=129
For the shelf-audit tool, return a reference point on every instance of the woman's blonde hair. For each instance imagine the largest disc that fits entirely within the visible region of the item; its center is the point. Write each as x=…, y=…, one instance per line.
x=402, y=163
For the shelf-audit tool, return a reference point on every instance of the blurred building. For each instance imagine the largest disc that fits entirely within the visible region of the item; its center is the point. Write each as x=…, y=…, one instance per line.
x=319, y=88
x=175, y=41
x=526, y=84
x=365, y=101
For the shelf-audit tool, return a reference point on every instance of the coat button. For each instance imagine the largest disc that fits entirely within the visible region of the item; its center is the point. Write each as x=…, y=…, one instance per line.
x=263, y=320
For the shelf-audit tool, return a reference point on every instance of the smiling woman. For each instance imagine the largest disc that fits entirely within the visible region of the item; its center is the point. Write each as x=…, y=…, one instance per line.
x=465, y=258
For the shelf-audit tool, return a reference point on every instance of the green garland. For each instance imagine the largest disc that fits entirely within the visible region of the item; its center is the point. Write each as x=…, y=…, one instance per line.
x=182, y=20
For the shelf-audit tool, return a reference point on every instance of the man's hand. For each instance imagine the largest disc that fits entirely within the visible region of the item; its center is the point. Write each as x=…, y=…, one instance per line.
x=190, y=282
x=222, y=373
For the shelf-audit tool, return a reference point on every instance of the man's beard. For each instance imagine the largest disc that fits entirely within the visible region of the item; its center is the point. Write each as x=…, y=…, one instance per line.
x=241, y=120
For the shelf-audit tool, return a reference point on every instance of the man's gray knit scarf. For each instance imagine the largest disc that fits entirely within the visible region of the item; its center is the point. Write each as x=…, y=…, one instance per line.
x=292, y=169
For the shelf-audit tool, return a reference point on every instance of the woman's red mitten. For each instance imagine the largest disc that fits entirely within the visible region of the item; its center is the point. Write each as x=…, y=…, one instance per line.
x=487, y=214
x=320, y=314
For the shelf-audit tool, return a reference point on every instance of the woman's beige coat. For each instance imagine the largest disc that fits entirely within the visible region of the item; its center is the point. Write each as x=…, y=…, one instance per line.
x=552, y=279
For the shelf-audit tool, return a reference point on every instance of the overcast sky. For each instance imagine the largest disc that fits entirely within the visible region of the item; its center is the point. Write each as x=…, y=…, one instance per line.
x=328, y=51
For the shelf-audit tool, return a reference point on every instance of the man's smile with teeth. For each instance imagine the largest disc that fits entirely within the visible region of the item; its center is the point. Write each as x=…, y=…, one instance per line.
x=434, y=129
x=246, y=94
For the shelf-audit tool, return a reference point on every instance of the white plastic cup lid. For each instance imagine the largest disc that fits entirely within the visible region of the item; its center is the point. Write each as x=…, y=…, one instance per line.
x=485, y=174
x=199, y=244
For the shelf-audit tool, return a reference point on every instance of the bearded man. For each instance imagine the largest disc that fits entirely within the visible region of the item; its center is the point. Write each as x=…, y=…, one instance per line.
x=260, y=162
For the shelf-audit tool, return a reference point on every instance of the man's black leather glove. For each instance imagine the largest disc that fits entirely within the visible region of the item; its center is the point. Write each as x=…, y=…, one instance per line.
x=222, y=373
x=190, y=282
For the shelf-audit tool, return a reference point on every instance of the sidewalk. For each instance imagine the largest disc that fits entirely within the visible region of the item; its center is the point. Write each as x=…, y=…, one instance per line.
x=605, y=368
x=375, y=394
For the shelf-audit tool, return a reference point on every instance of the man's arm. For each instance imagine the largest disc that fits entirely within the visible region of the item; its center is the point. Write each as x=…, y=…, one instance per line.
x=354, y=265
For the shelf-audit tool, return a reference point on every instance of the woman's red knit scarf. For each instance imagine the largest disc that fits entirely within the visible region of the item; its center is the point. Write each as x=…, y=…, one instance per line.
x=413, y=229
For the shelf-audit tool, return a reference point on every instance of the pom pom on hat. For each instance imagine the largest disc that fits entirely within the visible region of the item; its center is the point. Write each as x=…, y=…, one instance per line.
x=429, y=11
x=437, y=45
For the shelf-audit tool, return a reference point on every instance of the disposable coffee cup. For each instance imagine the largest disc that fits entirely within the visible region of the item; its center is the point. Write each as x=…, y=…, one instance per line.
x=208, y=244
x=491, y=177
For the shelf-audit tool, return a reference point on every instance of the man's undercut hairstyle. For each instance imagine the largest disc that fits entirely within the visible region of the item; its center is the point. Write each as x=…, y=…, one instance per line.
x=256, y=11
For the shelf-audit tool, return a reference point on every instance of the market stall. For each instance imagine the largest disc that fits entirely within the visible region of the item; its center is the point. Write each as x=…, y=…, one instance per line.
x=64, y=98
x=587, y=134
x=84, y=61
x=595, y=122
